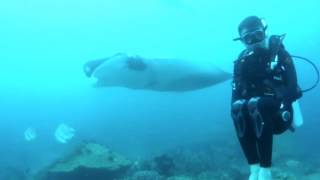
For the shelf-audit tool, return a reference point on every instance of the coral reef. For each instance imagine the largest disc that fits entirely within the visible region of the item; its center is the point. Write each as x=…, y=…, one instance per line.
x=179, y=178
x=163, y=164
x=145, y=175
x=89, y=161
x=198, y=162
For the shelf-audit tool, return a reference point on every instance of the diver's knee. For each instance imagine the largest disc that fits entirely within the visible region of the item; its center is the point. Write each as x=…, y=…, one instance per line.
x=253, y=104
x=255, y=114
x=238, y=116
x=237, y=105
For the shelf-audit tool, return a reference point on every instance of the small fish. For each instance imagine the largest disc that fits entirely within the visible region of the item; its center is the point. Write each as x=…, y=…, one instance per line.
x=64, y=133
x=30, y=134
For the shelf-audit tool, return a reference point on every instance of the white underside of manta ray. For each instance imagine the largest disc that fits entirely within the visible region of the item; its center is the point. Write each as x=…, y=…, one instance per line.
x=135, y=72
x=178, y=75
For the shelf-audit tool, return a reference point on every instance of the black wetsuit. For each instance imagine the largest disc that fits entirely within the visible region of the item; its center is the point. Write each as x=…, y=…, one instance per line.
x=276, y=88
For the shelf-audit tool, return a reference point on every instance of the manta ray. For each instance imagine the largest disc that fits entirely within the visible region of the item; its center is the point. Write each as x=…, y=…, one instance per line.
x=136, y=72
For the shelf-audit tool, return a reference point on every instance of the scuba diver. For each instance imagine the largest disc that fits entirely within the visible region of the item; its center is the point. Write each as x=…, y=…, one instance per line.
x=264, y=88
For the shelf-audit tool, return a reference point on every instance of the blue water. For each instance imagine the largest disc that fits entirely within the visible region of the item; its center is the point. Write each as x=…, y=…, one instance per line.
x=44, y=44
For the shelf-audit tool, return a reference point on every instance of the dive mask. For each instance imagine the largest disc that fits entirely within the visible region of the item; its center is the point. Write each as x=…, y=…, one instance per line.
x=253, y=37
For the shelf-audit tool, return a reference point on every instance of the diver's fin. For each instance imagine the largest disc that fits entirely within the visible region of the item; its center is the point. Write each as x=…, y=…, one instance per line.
x=297, y=115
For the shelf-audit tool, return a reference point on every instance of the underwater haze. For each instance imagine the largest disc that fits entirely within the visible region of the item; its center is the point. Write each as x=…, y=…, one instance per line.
x=45, y=43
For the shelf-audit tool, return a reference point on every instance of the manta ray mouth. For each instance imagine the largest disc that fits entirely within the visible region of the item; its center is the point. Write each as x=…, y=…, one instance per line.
x=91, y=66
x=87, y=70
